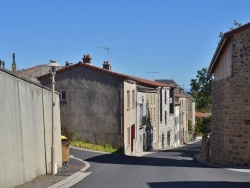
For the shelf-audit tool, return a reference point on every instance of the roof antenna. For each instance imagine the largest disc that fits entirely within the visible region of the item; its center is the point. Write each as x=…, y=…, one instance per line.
x=106, y=48
x=153, y=74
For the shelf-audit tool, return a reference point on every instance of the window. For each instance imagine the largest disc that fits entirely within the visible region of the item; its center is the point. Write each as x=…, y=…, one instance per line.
x=128, y=100
x=151, y=113
x=165, y=117
x=154, y=135
x=171, y=101
x=133, y=98
x=62, y=95
x=141, y=115
x=154, y=113
x=154, y=98
x=165, y=97
x=128, y=135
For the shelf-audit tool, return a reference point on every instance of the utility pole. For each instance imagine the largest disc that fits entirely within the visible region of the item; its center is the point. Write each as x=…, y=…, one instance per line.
x=153, y=74
x=106, y=48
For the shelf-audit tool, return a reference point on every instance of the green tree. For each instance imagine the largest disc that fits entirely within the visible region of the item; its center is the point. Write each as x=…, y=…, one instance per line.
x=201, y=90
x=203, y=125
x=190, y=127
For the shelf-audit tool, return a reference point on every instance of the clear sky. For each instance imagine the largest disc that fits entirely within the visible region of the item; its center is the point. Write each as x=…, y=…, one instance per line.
x=172, y=37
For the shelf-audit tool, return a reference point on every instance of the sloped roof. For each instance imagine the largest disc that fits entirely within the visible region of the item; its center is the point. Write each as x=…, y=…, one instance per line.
x=202, y=115
x=166, y=81
x=123, y=76
x=224, y=40
x=180, y=95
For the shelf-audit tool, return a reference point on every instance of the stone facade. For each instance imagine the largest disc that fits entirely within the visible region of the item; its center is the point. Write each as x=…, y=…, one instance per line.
x=93, y=104
x=230, y=135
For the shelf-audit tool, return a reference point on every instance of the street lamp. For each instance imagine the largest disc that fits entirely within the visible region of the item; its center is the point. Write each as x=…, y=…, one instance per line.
x=53, y=64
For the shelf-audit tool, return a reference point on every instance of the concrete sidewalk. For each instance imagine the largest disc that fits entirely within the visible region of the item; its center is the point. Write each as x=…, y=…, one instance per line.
x=66, y=176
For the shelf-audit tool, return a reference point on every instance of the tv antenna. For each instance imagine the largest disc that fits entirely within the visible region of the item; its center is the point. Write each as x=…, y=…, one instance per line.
x=153, y=74
x=105, y=48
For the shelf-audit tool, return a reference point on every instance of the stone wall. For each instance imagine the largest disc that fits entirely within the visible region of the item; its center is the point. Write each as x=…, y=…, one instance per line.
x=93, y=105
x=230, y=135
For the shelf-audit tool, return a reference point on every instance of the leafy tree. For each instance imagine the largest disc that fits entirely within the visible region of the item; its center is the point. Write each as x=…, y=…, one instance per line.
x=201, y=90
x=203, y=125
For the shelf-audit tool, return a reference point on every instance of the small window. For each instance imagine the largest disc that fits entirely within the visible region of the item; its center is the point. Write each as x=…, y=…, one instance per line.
x=154, y=114
x=165, y=96
x=165, y=117
x=128, y=100
x=62, y=95
x=133, y=98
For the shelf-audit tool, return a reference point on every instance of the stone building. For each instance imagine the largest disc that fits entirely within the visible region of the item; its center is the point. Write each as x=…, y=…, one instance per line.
x=230, y=130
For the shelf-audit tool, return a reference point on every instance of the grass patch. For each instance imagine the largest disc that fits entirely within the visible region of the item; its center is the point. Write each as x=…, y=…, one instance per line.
x=94, y=147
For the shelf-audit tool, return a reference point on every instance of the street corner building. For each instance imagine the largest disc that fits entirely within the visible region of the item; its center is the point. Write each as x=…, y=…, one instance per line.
x=230, y=130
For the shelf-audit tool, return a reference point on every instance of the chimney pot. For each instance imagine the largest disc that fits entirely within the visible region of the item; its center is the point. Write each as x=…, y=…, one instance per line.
x=106, y=65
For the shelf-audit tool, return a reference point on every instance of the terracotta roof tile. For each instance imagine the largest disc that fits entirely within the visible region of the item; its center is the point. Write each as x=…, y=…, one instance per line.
x=123, y=76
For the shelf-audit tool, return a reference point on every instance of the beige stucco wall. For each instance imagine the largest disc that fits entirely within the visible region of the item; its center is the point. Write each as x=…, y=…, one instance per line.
x=129, y=116
x=153, y=109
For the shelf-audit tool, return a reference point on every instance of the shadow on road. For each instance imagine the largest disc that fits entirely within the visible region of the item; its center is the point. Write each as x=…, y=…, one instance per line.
x=199, y=184
x=180, y=157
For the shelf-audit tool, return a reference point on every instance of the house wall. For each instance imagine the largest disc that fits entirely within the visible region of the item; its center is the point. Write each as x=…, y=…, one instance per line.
x=177, y=126
x=153, y=123
x=141, y=113
x=130, y=118
x=231, y=109
x=224, y=66
x=93, y=106
x=25, y=130
x=164, y=125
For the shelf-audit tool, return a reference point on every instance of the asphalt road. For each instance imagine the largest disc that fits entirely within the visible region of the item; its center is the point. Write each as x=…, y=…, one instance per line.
x=170, y=168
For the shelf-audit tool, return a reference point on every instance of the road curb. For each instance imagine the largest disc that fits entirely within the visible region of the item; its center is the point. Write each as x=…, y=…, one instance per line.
x=74, y=178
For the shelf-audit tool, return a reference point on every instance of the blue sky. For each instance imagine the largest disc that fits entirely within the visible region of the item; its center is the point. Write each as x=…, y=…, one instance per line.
x=172, y=37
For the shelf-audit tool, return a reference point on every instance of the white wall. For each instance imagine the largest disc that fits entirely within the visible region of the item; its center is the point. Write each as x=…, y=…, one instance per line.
x=25, y=130
x=141, y=100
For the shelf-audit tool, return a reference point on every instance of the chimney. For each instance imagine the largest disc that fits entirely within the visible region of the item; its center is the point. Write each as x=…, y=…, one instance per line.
x=1, y=63
x=13, y=68
x=87, y=59
x=106, y=65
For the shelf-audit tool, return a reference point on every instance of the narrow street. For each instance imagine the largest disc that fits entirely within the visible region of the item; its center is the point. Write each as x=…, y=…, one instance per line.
x=170, y=168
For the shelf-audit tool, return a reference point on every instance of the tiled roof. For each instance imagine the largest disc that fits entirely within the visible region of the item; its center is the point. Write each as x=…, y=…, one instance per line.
x=166, y=81
x=180, y=95
x=202, y=115
x=177, y=104
x=123, y=76
x=224, y=40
